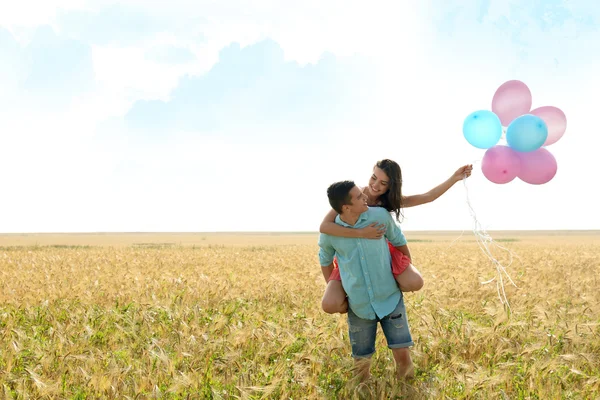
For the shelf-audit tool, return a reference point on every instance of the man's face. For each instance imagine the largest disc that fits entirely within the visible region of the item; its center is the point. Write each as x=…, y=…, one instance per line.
x=359, y=201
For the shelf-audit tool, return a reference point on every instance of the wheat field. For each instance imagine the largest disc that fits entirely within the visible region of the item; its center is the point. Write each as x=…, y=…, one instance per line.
x=221, y=316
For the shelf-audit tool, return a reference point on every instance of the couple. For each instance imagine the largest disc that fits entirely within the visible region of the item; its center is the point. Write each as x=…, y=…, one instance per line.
x=366, y=261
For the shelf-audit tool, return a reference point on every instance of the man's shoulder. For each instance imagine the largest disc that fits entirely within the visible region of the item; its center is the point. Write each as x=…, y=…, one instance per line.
x=325, y=238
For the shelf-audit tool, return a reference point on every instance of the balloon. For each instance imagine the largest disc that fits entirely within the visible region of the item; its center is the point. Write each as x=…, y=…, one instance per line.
x=511, y=100
x=526, y=133
x=556, y=121
x=537, y=167
x=500, y=164
x=482, y=129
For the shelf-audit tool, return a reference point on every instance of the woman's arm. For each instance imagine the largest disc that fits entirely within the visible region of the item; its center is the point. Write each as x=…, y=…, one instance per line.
x=436, y=192
x=329, y=227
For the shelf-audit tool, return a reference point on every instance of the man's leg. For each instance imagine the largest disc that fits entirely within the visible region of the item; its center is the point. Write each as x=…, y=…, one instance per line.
x=362, y=334
x=404, y=364
x=397, y=333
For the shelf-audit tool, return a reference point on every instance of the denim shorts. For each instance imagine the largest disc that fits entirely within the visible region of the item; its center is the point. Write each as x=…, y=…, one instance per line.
x=362, y=332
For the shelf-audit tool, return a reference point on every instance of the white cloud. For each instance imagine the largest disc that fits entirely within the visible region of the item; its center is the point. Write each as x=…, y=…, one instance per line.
x=32, y=13
x=170, y=54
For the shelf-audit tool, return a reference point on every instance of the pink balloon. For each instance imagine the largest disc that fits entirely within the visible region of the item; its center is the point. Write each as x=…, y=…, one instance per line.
x=537, y=167
x=500, y=164
x=511, y=100
x=556, y=121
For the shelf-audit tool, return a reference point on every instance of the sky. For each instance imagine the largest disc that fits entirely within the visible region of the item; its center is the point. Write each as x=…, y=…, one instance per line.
x=204, y=116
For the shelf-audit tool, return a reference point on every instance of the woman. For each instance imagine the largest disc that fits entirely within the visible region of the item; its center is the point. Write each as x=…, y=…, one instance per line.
x=384, y=190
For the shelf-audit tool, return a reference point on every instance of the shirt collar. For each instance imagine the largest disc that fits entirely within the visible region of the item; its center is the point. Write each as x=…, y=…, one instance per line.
x=362, y=217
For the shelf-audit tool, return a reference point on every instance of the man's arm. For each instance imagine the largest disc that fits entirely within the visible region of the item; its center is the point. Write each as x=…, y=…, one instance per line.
x=326, y=254
x=404, y=250
x=393, y=233
x=327, y=271
x=395, y=236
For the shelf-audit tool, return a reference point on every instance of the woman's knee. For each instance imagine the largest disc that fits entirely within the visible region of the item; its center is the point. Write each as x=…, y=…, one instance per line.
x=334, y=306
x=418, y=283
x=414, y=284
x=328, y=306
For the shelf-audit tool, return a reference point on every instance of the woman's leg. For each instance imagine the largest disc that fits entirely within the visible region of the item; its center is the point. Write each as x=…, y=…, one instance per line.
x=410, y=280
x=408, y=277
x=334, y=299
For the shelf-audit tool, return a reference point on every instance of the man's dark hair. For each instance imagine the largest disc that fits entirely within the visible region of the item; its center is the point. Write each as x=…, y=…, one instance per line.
x=339, y=194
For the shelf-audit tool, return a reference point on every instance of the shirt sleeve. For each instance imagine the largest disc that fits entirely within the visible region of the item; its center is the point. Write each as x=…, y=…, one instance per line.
x=393, y=233
x=326, y=251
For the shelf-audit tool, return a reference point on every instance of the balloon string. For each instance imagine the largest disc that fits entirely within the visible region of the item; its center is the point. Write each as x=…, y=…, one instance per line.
x=486, y=244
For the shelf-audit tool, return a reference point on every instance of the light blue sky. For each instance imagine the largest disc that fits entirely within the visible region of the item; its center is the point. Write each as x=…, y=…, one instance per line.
x=236, y=115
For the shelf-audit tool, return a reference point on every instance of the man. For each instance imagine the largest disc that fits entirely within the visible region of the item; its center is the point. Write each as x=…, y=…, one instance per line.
x=365, y=269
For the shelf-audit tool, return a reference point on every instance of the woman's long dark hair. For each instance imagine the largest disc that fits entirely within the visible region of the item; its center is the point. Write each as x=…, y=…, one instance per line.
x=392, y=199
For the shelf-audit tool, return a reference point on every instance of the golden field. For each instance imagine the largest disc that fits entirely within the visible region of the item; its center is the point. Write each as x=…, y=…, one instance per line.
x=228, y=316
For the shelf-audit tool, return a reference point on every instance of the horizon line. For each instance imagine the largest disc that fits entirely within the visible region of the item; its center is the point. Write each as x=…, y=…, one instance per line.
x=276, y=232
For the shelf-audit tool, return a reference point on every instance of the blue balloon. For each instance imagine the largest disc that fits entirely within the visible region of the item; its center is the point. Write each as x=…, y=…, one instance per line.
x=482, y=129
x=526, y=133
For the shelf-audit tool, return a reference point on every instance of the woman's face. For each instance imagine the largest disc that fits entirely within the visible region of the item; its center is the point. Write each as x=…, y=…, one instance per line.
x=379, y=182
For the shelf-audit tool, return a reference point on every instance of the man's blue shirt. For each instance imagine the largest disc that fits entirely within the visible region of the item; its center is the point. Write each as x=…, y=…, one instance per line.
x=365, y=264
